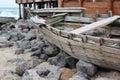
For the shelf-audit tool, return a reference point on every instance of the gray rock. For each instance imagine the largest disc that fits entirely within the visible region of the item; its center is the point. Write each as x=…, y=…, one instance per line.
x=7, y=44
x=48, y=71
x=30, y=37
x=20, y=51
x=20, y=36
x=105, y=78
x=9, y=75
x=30, y=75
x=21, y=68
x=50, y=50
x=71, y=62
x=25, y=30
x=36, y=53
x=44, y=57
x=34, y=62
x=37, y=45
x=87, y=68
x=79, y=76
x=25, y=45
x=43, y=73
x=59, y=60
x=3, y=40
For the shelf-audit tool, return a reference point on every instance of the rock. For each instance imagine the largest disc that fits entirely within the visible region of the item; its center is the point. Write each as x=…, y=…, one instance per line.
x=34, y=62
x=59, y=60
x=71, y=62
x=79, y=76
x=36, y=53
x=3, y=40
x=21, y=68
x=104, y=78
x=43, y=73
x=20, y=51
x=25, y=45
x=67, y=74
x=20, y=36
x=25, y=30
x=44, y=57
x=7, y=44
x=50, y=50
x=49, y=71
x=37, y=45
x=31, y=75
x=31, y=35
x=87, y=68
x=9, y=75
x=46, y=66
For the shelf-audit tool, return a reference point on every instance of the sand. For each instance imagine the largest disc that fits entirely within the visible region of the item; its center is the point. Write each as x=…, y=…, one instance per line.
x=8, y=57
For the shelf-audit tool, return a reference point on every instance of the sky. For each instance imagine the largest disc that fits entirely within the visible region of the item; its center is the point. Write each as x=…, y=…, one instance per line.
x=8, y=3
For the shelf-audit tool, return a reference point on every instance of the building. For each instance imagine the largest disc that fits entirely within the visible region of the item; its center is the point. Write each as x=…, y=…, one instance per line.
x=35, y=4
x=103, y=6
x=92, y=6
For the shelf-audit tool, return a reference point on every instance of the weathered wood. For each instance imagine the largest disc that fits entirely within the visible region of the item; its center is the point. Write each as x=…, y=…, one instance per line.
x=62, y=14
x=54, y=20
x=95, y=25
x=96, y=50
x=57, y=10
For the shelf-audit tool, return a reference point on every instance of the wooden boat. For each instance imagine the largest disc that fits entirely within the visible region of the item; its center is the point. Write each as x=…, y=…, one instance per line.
x=74, y=14
x=78, y=42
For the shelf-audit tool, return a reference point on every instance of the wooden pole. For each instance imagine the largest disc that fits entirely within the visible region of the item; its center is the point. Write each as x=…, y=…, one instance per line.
x=110, y=5
x=81, y=2
x=34, y=4
x=24, y=13
x=20, y=16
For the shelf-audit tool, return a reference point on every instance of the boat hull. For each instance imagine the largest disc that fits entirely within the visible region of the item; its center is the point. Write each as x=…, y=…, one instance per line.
x=102, y=56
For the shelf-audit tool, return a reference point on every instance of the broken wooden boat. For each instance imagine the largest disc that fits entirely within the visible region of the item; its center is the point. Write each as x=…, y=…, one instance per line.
x=96, y=43
x=74, y=14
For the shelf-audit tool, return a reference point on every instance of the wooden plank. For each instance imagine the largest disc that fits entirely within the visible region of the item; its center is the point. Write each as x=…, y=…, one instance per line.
x=95, y=25
x=53, y=10
x=62, y=14
x=78, y=19
x=55, y=20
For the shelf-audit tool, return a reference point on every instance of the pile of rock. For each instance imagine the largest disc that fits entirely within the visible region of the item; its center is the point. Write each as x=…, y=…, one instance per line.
x=47, y=61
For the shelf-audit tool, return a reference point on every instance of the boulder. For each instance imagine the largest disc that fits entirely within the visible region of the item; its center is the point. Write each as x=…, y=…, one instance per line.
x=79, y=76
x=7, y=44
x=25, y=30
x=32, y=63
x=48, y=71
x=3, y=40
x=59, y=60
x=20, y=36
x=21, y=68
x=9, y=75
x=71, y=62
x=20, y=51
x=44, y=57
x=30, y=75
x=24, y=45
x=87, y=68
x=30, y=36
x=104, y=78
x=36, y=53
x=50, y=50
x=37, y=45
x=67, y=73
